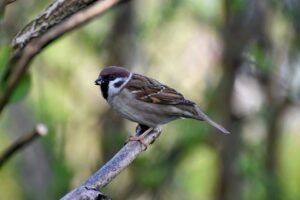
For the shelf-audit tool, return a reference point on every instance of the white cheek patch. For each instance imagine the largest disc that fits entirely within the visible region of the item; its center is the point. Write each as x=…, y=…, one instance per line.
x=116, y=85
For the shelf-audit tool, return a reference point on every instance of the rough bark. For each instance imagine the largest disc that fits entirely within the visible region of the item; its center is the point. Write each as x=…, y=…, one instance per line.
x=27, y=48
x=89, y=190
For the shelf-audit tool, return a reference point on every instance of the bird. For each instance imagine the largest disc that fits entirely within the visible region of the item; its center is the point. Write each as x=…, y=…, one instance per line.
x=146, y=101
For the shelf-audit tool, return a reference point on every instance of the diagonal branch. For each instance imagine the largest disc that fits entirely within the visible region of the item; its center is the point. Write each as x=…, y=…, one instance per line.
x=54, y=14
x=20, y=60
x=39, y=130
x=89, y=190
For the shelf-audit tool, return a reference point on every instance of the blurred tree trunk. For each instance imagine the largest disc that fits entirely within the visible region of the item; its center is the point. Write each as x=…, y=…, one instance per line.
x=278, y=106
x=230, y=181
x=244, y=23
x=271, y=155
x=120, y=51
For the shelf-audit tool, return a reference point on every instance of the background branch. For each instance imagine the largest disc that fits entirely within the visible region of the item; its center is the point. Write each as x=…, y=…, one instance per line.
x=23, y=141
x=20, y=60
x=8, y=1
x=89, y=190
x=56, y=12
x=3, y=4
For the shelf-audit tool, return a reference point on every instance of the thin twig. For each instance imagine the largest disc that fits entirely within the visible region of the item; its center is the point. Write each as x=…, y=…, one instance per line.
x=20, y=60
x=3, y=4
x=23, y=141
x=10, y=1
x=89, y=190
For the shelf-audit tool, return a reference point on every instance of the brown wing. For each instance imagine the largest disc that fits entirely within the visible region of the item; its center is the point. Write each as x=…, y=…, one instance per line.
x=151, y=91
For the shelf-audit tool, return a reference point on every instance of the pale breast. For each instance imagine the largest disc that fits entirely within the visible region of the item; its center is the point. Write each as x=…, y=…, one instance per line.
x=141, y=112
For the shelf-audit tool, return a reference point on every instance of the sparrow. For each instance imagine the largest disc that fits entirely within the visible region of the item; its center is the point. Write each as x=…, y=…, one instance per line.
x=146, y=101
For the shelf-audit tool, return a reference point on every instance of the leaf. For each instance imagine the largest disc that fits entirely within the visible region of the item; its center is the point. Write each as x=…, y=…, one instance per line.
x=4, y=59
x=261, y=59
x=238, y=6
x=22, y=89
x=24, y=84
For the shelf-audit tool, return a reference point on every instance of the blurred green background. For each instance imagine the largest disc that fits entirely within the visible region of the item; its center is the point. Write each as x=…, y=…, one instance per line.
x=239, y=60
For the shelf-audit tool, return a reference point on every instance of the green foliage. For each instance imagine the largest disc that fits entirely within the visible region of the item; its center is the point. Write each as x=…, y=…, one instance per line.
x=24, y=84
x=154, y=178
x=10, y=187
x=238, y=6
x=206, y=10
x=22, y=89
x=4, y=59
x=196, y=173
x=261, y=59
x=289, y=165
x=61, y=179
x=251, y=166
x=195, y=132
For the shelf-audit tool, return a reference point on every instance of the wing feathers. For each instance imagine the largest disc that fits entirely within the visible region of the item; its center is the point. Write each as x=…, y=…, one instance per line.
x=152, y=91
x=204, y=117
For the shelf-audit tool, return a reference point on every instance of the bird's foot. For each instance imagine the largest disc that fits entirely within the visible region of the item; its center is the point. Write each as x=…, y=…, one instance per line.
x=140, y=138
x=140, y=129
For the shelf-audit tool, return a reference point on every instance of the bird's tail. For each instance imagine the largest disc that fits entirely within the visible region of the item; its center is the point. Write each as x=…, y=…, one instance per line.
x=204, y=117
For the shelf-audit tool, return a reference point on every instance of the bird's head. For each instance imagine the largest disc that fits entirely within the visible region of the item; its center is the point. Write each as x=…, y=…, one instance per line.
x=112, y=79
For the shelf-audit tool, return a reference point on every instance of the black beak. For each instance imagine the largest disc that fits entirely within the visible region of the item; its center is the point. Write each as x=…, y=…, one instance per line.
x=99, y=81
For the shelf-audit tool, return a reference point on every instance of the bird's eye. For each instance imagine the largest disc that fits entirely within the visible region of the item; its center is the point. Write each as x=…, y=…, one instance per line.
x=112, y=77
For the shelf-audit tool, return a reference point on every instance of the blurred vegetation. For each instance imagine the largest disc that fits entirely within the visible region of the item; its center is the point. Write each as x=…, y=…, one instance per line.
x=238, y=59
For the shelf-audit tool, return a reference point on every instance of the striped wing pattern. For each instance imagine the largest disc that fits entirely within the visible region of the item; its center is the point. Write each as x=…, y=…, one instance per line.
x=151, y=91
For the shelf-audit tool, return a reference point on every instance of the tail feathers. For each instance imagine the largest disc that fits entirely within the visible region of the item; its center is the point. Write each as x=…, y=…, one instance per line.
x=204, y=117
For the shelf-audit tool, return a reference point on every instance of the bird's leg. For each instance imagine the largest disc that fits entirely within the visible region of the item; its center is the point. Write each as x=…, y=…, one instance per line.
x=141, y=131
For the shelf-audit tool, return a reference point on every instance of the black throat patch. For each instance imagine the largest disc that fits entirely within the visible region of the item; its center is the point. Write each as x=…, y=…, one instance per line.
x=104, y=89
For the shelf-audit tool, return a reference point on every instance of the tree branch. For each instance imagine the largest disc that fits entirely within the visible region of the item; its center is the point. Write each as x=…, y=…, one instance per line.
x=3, y=4
x=21, y=58
x=56, y=12
x=89, y=190
x=6, y=2
x=23, y=141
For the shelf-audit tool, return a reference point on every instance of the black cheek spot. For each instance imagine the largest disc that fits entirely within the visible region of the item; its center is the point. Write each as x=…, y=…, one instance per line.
x=118, y=84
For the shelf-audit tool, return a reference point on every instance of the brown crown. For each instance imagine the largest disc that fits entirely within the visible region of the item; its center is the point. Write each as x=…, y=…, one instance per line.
x=116, y=71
